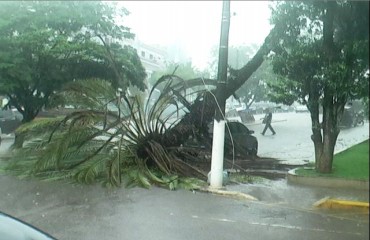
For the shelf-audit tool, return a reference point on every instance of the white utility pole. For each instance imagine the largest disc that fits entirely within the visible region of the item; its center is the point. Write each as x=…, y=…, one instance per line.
x=216, y=177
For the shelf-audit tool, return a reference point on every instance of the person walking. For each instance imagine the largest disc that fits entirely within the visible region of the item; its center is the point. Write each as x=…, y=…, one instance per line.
x=267, y=121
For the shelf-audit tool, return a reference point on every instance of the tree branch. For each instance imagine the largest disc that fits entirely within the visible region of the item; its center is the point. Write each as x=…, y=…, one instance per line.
x=203, y=109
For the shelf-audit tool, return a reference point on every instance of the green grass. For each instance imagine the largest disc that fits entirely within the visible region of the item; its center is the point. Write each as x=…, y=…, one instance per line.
x=352, y=163
x=245, y=178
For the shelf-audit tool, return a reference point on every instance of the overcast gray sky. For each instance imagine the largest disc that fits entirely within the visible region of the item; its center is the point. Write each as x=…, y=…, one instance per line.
x=196, y=25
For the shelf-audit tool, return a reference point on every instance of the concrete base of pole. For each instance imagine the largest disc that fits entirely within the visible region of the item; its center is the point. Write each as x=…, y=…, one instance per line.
x=217, y=164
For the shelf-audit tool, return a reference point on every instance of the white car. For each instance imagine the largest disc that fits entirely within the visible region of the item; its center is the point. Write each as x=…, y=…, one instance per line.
x=12, y=228
x=301, y=108
x=233, y=116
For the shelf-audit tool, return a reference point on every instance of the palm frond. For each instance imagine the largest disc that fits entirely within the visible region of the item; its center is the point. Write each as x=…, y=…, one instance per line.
x=38, y=126
x=109, y=140
x=89, y=94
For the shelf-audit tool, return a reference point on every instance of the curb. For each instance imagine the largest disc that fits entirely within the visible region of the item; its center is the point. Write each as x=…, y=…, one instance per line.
x=234, y=194
x=331, y=203
x=292, y=177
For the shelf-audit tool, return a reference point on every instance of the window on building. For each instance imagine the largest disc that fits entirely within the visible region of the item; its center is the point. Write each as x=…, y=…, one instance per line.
x=142, y=53
x=151, y=56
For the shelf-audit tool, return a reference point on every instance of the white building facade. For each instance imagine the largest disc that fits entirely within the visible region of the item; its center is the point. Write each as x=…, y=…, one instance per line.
x=153, y=58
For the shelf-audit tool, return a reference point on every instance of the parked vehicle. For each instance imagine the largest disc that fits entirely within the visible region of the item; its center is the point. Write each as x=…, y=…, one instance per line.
x=9, y=120
x=233, y=115
x=359, y=119
x=12, y=228
x=351, y=118
x=239, y=136
x=301, y=109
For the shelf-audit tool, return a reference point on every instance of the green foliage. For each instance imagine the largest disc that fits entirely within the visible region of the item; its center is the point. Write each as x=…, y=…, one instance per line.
x=352, y=163
x=297, y=70
x=303, y=62
x=96, y=143
x=283, y=91
x=45, y=44
x=323, y=60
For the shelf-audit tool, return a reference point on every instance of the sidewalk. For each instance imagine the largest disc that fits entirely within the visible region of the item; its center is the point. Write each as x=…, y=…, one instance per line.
x=292, y=142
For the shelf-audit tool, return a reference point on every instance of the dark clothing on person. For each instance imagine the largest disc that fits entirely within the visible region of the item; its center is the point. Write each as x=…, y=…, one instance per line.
x=267, y=120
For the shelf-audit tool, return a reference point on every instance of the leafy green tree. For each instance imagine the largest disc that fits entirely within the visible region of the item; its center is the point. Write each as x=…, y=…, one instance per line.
x=322, y=59
x=153, y=138
x=45, y=44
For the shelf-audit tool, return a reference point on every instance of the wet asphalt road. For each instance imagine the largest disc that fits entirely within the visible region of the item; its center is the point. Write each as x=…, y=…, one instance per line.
x=90, y=212
x=283, y=211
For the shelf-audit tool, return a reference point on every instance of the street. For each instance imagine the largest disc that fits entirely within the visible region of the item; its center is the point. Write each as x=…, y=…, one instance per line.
x=92, y=213
x=283, y=211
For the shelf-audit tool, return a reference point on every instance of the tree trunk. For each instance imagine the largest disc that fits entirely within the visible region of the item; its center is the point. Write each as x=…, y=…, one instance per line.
x=19, y=138
x=324, y=158
x=324, y=148
x=18, y=141
x=324, y=163
x=313, y=106
x=324, y=145
x=203, y=109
